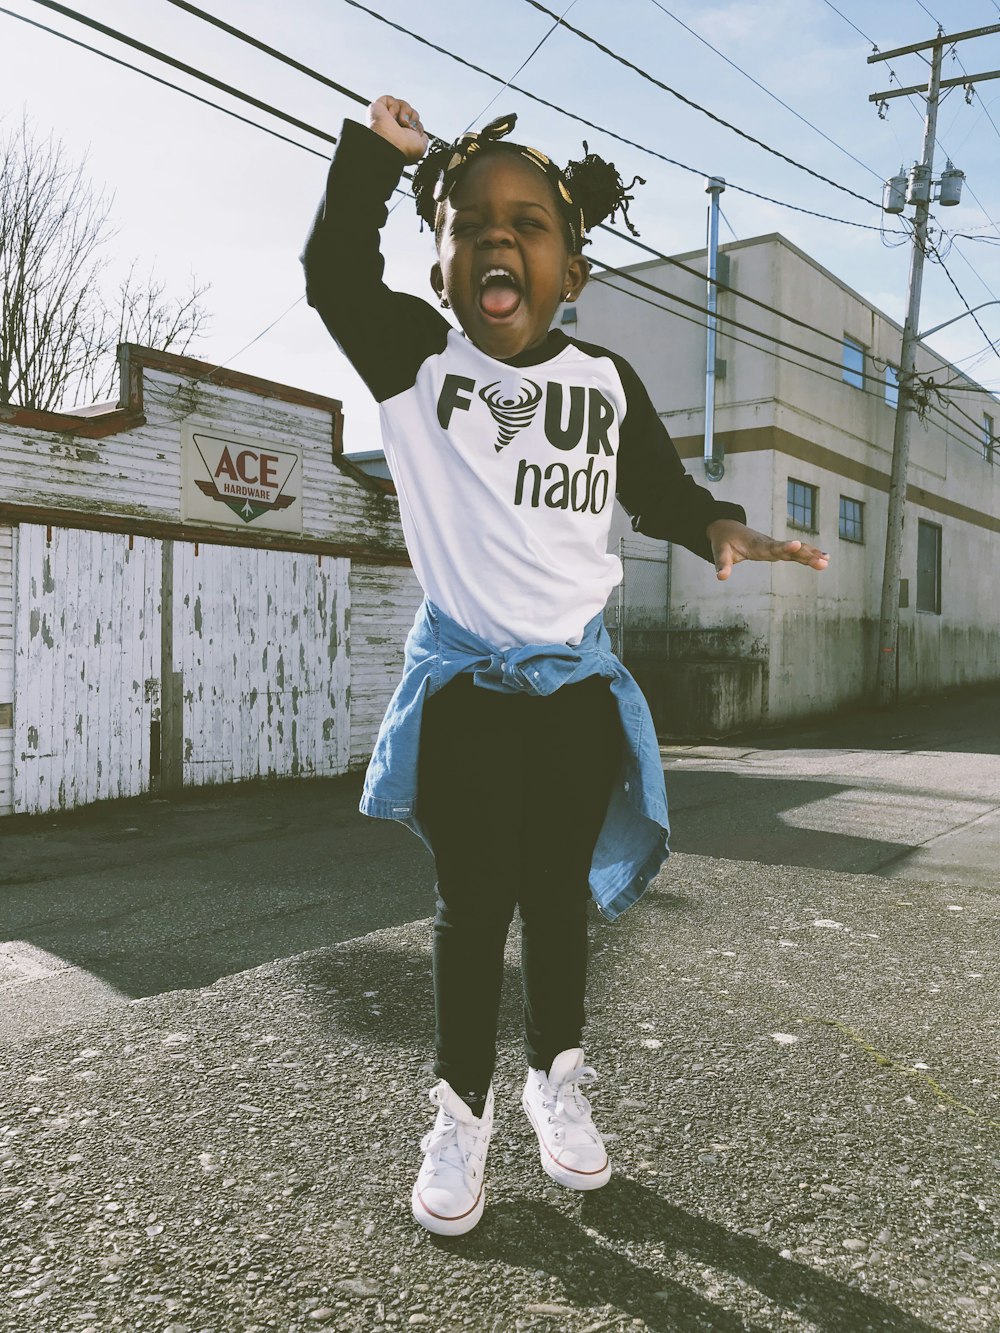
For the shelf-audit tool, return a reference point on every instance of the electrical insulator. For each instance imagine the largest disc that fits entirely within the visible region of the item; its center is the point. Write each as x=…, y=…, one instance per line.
x=918, y=185
x=951, y=186
x=894, y=193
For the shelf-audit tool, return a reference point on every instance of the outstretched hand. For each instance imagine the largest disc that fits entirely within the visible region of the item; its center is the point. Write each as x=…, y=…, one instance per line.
x=733, y=542
x=400, y=124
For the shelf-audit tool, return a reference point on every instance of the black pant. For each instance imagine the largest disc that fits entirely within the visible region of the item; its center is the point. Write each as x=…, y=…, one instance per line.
x=513, y=790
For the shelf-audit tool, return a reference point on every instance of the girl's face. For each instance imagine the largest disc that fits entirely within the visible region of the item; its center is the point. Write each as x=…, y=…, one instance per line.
x=503, y=259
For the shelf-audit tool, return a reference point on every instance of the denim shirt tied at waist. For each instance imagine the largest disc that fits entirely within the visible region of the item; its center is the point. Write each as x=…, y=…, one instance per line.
x=633, y=842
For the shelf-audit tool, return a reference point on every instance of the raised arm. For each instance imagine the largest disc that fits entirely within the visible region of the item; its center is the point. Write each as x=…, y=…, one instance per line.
x=385, y=334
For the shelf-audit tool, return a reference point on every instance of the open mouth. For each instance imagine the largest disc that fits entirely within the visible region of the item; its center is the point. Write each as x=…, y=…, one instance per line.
x=499, y=293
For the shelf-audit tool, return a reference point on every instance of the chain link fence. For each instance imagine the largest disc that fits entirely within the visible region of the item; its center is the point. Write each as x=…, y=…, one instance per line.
x=638, y=611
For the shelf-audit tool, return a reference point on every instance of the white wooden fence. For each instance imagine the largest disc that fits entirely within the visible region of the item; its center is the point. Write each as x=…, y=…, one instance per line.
x=260, y=641
x=229, y=662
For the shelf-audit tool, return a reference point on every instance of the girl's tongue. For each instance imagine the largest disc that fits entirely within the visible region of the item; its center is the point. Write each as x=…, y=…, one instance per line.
x=499, y=297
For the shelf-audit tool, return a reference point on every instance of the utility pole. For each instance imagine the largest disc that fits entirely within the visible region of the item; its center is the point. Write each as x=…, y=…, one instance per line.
x=919, y=193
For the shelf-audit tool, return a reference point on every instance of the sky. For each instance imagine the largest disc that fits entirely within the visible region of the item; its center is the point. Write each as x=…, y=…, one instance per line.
x=198, y=193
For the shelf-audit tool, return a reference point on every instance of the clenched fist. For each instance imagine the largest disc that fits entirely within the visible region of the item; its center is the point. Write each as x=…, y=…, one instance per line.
x=400, y=124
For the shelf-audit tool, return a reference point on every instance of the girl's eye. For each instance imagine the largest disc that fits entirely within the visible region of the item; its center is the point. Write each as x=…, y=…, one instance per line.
x=532, y=222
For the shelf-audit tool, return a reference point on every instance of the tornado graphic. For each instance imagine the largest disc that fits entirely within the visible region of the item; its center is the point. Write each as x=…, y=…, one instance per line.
x=511, y=414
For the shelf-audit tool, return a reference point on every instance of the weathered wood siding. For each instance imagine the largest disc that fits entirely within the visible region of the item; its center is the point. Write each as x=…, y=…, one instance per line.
x=87, y=640
x=260, y=642
x=247, y=669
x=8, y=539
x=383, y=604
x=137, y=472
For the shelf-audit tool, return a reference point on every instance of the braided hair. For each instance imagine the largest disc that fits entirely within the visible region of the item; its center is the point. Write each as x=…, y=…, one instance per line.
x=587, y=191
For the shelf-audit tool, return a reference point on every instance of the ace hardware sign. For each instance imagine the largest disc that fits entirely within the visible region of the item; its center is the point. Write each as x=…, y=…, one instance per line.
x=236, y=481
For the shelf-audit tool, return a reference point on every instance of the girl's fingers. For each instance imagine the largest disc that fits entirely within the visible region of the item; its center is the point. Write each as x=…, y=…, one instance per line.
x=407, y=117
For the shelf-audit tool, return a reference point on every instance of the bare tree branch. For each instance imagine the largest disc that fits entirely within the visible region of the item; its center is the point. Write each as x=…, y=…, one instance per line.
x=59, y=329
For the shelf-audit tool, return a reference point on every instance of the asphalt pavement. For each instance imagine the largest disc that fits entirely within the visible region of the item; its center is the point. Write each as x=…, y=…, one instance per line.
x=216, y=1033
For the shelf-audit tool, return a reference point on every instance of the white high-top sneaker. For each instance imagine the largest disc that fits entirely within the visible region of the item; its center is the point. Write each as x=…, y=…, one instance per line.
x=449, y=1194
x=571, y=1149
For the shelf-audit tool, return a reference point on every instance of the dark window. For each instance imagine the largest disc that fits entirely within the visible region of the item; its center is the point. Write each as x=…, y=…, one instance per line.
x=854, y=363
x=989, y=439
x=891, y=386
x=928, y=567
x=802, y=505
x=852, y=520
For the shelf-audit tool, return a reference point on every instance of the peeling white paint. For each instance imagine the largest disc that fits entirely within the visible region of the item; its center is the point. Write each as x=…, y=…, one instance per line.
x=81, y=716
x=8, y=551
x=262, y=677
x=265, y=663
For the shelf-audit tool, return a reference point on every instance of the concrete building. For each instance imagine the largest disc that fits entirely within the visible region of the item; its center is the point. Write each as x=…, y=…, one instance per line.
x=195, y=587
x=807, y=445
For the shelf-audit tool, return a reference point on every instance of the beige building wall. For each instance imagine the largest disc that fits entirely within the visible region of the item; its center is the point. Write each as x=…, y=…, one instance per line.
x=817, y=636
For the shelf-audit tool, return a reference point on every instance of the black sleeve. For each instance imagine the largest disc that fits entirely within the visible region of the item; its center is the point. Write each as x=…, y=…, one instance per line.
x=385, y=335
x=663, y=500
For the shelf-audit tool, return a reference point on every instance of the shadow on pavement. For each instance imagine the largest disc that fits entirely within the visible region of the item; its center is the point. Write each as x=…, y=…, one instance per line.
x=628, y=1210
x=742, y=816
x=592, y=1274
x=966, y=722
x=152, y=896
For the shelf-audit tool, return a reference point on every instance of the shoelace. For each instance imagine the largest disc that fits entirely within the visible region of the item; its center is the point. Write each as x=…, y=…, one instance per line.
x=453, y=1141
x=569, y=1099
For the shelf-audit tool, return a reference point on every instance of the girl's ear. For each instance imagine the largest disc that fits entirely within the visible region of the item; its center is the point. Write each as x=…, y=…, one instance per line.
x=577, y=273
x=437, y=279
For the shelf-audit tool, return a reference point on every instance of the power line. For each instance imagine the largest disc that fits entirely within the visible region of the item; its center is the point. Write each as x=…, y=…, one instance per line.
x=601, y=129
x=527, y=61
x=976, y=446
x=690, y=319
x=764, y=89
x=939, y=142
x=688, y=101
x=743, y=296
x=736, y=323
x=928, y=13
x=359, y=98
x=732, y=229
x=968, y=308
x=764, y=305
x=940, y=145
x=853, y=25
x=629, y=277
x=106, y=55
x=190, y=69
x=251, y=41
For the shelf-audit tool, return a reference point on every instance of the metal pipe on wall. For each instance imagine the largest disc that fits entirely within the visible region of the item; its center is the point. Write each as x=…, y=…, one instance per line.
x=714, y=467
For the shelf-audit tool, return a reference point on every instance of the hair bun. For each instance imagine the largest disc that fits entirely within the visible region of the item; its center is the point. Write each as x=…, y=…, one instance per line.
x=599, y=190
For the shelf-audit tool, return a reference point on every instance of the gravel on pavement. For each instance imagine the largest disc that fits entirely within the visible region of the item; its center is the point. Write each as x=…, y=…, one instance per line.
x=798, y=1086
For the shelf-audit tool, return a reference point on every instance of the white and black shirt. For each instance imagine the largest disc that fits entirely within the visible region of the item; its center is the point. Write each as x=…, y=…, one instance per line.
x=505, y=470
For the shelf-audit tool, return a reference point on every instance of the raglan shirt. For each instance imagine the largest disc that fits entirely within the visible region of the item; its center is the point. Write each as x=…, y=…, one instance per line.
x=505, y=470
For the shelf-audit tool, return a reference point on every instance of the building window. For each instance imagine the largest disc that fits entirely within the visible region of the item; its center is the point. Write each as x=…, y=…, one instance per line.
x=852, y=520
x=891, y=386
x=802, y=505
x=854, y=363
x=928, y=567
x=989, y=438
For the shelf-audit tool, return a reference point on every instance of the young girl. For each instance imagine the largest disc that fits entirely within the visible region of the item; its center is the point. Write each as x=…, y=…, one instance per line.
x=516, y=744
